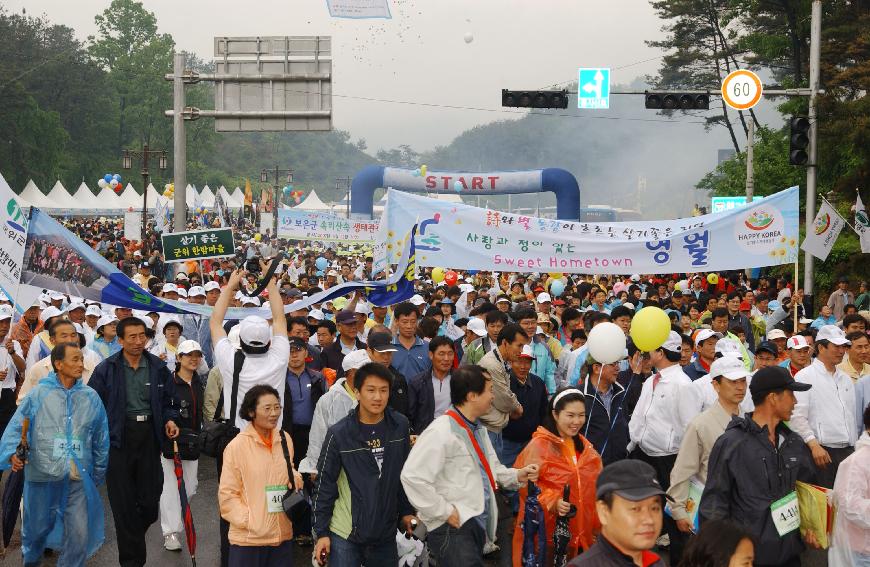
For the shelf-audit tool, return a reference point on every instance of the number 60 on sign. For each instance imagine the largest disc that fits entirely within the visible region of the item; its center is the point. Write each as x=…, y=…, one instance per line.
x=741, y=89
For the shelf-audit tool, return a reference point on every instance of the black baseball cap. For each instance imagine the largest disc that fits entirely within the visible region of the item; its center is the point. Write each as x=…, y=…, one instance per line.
x=631, y=479
x=381, y=342
x=296, y=342
x=767, y=346
x=775, y=378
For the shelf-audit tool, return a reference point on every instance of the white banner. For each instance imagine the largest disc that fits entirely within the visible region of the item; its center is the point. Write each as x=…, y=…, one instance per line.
x=826, y=228
x=133, y=225
x=267, y=222
x=359, y=8
x=463, y=182
x=307, y=225
x=862, y=225
x=12, y=240
x=451, y=235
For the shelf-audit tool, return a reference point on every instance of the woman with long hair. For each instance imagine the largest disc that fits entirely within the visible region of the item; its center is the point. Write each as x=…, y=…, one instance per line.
x=566, y=458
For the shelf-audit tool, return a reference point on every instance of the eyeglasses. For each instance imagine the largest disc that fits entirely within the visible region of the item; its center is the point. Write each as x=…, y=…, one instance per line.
x=271, y=409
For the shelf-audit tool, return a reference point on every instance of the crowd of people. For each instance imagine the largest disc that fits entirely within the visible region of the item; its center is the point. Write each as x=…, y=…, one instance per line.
x=469, y=421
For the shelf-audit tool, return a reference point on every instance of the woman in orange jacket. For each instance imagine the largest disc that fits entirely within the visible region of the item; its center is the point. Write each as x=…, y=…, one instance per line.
x=253, y=482
x=564, y=457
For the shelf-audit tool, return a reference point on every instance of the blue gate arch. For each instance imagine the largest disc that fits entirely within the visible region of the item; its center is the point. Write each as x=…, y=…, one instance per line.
x=558, y=181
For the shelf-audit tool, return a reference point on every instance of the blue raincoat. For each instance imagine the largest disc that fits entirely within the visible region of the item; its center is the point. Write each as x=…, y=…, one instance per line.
x=105, y=349
x=66, y=426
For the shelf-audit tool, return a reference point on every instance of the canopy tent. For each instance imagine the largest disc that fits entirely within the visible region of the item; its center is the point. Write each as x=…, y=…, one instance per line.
x=190, y=196
x=229, y=200
x=129, y=198
x=33, y=197
x=109, y=200
x=152, y=197
x=60, y=198
x=313, y=203
x=206, y=197
x=238, y=196
x=84, y=198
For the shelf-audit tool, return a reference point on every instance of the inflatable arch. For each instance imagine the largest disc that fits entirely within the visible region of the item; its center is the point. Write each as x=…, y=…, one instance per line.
x=558, y=181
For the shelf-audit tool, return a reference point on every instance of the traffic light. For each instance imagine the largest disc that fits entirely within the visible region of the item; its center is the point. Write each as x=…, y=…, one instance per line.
x=535, y=99
x=677, y=101
x=798, y=140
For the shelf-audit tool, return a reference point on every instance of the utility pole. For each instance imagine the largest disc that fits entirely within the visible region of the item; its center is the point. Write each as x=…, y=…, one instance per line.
x=343, y=184
x=127, y=163
x=264, y=178
x=750, y=172
x=179, y=148
x=812, y=165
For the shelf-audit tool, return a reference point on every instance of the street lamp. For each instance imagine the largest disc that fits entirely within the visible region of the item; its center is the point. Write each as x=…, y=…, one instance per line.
x=144, y=154
x=264, y=178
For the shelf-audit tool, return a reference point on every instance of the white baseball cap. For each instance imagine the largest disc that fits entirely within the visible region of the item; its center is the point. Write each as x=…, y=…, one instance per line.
x=527, y=352
x=49, y=312
x=148, y=321
x=93, y=311
x=196, y=291
x=730, y=367
x=776, y=334
x=705, y=334
x=673, y=343
x=544, y=297
x=187, y=347
x=107, y=319
x=169, y=288
x=362, y=308
x=417, y=300
x=211, y=286
x=355, y=360
x=74, y=306
x=833, y=334
x=728, y=346
x=316, y=314
x=250, y=300
x=797, y=342
x=254, y=331
x=477, y=326
x=182, y=292
x=5, y=312
x=55, y=295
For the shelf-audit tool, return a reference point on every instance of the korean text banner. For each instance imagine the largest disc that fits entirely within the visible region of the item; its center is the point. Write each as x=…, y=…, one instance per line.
x=12, y=240
x=306, y=225
x=764, y=233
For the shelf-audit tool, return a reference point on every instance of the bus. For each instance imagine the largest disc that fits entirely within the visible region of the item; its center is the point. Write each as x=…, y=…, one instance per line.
x=604, y=213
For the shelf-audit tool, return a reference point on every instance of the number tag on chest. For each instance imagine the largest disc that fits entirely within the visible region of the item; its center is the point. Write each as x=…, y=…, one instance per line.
x=61, y=447
x=785, y=513
x=275, y=498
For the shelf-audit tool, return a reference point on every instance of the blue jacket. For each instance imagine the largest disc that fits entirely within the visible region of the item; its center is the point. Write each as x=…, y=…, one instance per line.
x=378, y=499
x=694, y=370
x=108, y=381
x=543, y=365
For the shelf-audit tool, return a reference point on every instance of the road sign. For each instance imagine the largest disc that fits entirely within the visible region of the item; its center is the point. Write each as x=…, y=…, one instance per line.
x=593, y=88
x=741, y=89
x=720, y=204
x=198, y=245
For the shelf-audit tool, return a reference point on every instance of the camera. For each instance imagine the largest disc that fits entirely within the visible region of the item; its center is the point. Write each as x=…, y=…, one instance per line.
x=252, y=266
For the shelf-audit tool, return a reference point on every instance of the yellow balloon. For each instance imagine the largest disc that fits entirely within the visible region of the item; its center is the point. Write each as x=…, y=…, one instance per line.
x=258, y=237
x=437, y=275
x=650, y=328
x=423, y=170
x=712, y=279
x=556, y=275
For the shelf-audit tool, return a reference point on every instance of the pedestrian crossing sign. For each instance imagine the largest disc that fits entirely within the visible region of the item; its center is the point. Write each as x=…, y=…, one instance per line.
x=593, y=88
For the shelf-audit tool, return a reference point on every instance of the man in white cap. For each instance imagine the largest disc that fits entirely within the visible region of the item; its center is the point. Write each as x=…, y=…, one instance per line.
x=92, y=317
x=705, y=348
x=41, y=345
x=825, y=416
x=798, y=351
x=656, y=427
x=212, y=293
x=333, y=406
x=729, y=377
x=264, y=354
x=75, y=312
x=195, y=327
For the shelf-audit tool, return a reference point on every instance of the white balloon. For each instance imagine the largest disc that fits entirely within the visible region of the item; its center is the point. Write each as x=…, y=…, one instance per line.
x=114, y=183
x=606, y=343
x=468, y=37
x=102, y=183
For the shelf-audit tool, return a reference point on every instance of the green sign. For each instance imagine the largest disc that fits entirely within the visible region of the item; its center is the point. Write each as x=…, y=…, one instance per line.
x=198, y=245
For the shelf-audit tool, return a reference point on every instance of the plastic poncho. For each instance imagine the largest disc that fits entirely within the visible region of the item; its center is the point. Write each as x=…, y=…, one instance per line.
x=57, y=442
x=104, y=348
x=557, y=468
x=851, y=538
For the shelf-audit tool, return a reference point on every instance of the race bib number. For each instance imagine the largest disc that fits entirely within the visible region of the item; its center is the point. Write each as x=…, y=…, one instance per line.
x=61, y=447
x=786, y=515
x=275, y=498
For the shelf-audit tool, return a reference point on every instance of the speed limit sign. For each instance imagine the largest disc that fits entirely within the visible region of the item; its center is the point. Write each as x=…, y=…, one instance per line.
x=741, y=89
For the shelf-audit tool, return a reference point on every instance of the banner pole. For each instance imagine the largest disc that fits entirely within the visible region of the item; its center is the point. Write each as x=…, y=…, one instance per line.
x=796, y=287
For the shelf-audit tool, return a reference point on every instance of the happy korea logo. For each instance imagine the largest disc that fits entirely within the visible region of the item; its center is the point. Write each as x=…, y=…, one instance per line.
x=758, y=230
x=822, y=224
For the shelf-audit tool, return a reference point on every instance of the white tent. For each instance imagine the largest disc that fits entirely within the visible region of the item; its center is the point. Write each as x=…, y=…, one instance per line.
x=32, y=196
x=313, y=203
x=60, y=197
x=109, y=200
x=85, y=199
x=130, y=198
x=152, y=197
x=239, y=197
x=229, y=200
x=190, y=196
x=206, y=197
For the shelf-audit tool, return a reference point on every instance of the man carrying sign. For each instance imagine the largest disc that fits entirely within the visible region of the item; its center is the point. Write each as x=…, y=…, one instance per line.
x=753, y=469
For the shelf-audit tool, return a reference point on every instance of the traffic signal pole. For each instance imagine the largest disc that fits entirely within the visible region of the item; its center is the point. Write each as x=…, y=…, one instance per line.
x=812, y=165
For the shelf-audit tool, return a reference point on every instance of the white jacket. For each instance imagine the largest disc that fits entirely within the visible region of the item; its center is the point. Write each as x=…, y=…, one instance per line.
x=441, y=472
x=826, y=412
x=656, y=425
x=852, y=499
x=332, y=407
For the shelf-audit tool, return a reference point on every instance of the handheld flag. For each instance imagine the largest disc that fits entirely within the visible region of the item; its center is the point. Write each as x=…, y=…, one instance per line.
x=826, y=228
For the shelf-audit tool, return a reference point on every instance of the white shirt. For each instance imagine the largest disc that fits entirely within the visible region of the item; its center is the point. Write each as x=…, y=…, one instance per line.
x=656, y=425
x=701, y=395
x=6, y=363
x=269, y=368
x=825, y=412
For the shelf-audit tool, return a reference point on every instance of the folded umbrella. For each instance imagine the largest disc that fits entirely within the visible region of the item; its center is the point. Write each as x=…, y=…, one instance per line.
x=189, y=529
x=562, y=533
x=534, y=529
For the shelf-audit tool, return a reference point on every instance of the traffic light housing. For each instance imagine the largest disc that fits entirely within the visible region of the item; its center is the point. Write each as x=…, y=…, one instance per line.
x=676, y=101
x=534, y=99
x=798, y=140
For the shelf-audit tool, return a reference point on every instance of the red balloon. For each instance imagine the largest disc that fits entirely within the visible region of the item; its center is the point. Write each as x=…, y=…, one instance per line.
x=451, y=277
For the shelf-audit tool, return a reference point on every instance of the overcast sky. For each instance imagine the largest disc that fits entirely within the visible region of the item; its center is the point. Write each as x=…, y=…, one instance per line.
x=420, y=55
